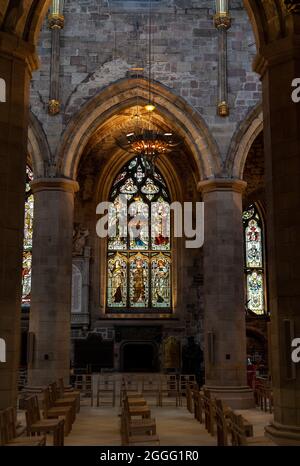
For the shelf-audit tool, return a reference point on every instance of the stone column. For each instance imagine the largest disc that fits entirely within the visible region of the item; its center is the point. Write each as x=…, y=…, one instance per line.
x=279, y=65
x=15, y=76
x=50, y=310
x=224, y=304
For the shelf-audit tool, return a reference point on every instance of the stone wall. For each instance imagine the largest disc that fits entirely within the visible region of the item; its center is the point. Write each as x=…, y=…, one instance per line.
x=98, y=46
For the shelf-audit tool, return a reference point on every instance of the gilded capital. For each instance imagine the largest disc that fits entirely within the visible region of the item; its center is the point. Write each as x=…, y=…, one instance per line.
x=222, y=21
x=53, y=107
x=56, y=21
x=293, y=6
x=223, y=109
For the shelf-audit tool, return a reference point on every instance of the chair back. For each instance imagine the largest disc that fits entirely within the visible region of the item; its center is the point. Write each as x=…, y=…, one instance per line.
x=54, y=395
x=32, y=411
x=3, y=429
x=222, y=431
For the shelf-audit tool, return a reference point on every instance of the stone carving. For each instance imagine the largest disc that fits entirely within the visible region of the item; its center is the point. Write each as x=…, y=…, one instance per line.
x=80, y=235
x=171, y=353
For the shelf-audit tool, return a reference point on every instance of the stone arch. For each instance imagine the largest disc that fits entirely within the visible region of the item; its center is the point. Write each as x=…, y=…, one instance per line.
x=123, y=94
x=24, y=20
x=242, y=141
x=38, y=147
x=269, y=19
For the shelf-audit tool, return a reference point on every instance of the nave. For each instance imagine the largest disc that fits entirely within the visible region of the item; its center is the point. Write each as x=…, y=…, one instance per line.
x=134, y=409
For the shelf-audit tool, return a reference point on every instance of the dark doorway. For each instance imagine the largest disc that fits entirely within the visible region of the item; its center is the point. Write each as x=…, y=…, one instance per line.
x=139, y=357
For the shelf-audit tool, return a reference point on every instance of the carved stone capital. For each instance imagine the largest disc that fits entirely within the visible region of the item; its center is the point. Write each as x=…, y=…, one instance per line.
x=56, y=21
x=222, y=21
x=223, y=109
x=53, y=107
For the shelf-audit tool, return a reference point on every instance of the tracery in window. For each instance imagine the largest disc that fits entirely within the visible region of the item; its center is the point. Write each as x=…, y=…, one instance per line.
x=139, y=260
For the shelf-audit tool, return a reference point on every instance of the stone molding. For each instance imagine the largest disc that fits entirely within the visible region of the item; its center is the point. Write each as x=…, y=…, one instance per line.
x=276, y=53
x=54, y=184
x=12, y=46
x=222, y=184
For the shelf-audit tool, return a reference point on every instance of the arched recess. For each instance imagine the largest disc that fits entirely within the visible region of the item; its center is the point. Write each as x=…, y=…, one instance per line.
x=24, y=18
x=123, y=94
x=38, y=147
x=242, y=141
x=269, y=19
x=103, y=188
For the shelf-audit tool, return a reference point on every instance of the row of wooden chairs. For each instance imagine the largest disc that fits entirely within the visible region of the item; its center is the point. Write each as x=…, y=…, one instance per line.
x=221, y=420
x=137, y=425
x=60, y=405
x=164, y=389
x=263, y=395
x=8, y=431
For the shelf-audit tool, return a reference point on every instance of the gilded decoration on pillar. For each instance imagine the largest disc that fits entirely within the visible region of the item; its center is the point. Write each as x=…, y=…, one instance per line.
x=293, y=6
x=222, y=21
x=54, y=106
x=223, y=109
x=56, y=21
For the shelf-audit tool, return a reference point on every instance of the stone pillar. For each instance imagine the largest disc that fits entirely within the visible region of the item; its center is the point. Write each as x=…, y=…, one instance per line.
x=224, y=304
x=15, y=77
x=279, y=65
x=50, y=310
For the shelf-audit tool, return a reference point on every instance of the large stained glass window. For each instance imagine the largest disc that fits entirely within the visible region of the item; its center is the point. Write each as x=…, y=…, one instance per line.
x=27, y=246
x=254, y=261
x=139, y=255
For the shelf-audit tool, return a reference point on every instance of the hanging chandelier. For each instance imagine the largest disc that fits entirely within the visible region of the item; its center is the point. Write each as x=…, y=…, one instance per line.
x=142, y=137
x=149, y=143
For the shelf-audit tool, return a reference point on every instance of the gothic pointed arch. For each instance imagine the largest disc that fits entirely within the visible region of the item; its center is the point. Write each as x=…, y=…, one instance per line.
x=113, y=99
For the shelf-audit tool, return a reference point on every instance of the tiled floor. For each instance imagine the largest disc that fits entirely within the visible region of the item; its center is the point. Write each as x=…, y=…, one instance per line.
x=175, y=426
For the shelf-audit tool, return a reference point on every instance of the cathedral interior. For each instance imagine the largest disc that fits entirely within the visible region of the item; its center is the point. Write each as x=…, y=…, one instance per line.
x=177, y=116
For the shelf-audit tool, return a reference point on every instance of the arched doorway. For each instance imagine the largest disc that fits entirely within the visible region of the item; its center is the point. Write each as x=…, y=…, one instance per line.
x=138, y=356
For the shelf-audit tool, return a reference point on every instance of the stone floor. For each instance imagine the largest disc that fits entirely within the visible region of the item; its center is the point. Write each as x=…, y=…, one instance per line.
x=175, y=426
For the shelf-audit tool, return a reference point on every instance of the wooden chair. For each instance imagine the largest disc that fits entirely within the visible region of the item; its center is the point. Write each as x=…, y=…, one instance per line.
x=8, y=432
x=68, y=392
x=136, y=410
x=137, y=431
x=57, y=401
x=35, y=425
x=221, y=423
x=185, y=381
x=54, y=412
x=198, y=405
x=239, y=435
x=208, y=412
x=106, y=391
x=84, y=383
x=150, y=387
x=168, y=390
x=189, y=399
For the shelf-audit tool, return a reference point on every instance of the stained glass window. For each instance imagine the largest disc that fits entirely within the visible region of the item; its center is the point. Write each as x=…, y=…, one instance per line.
x=139, y=252
x=27, y=245
x=254, y=260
